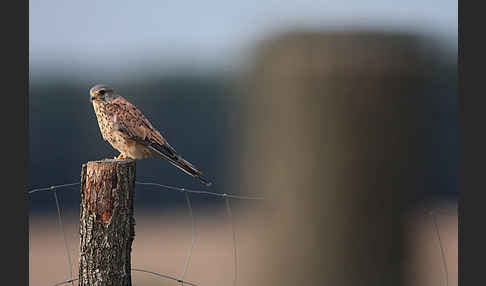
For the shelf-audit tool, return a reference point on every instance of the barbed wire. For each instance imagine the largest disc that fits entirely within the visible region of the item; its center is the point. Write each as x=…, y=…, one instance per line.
x=191, y=215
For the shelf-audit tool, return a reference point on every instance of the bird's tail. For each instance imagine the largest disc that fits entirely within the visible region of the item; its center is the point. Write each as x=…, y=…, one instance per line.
x=180, y=163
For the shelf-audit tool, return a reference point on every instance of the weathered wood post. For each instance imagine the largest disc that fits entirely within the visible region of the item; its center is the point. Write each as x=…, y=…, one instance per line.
x=334, y=140
x=106, y=222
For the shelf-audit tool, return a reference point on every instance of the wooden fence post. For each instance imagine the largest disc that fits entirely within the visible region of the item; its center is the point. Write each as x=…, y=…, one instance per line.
x=106, y=222
x=334, y=140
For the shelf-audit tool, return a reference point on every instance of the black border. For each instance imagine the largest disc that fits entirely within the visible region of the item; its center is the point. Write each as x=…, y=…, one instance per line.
x=14, y=132
x=473, y=144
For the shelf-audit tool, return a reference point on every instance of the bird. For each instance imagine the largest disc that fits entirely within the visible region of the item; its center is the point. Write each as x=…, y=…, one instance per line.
x=127, y=130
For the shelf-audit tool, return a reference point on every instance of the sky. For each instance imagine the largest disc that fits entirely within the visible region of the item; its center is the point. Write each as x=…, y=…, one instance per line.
x=119, y=34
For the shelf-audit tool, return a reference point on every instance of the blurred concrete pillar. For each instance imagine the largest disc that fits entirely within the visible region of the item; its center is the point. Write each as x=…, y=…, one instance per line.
x=333, y=141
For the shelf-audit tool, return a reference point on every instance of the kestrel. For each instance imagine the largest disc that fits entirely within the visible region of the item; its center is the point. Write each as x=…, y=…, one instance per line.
x=130, y=132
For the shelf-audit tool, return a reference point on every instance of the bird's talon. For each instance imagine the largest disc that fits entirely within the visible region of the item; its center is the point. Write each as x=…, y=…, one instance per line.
x=120, y=157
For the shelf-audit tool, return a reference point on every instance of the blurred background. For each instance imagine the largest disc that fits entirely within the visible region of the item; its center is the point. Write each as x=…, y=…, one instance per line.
x=313, y=104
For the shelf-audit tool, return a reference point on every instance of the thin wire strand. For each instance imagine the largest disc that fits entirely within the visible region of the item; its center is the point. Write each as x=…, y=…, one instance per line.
x=228, y=208
x=164, y=276
x=193, y=233
x=64, y=282
x=52, y=188
x=222, y=195
x=179, y=189
x=138, y=270
x=436, y=227
x=199, y=192
x=230, y=216
x=64, y=236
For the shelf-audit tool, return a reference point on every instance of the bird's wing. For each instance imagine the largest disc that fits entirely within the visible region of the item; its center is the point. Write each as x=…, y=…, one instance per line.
x=133, y=124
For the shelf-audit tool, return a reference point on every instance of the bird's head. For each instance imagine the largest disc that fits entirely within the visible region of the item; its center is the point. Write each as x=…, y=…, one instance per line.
x=102, y=92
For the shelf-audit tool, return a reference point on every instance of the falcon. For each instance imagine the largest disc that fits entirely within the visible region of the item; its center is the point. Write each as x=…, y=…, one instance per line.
x=129, y=131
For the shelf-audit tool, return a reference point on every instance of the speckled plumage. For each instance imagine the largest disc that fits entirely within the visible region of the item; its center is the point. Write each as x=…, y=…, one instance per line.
x=130, y=132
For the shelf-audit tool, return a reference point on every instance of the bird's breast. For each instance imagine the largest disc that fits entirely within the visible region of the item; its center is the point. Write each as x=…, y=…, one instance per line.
x=105, y=121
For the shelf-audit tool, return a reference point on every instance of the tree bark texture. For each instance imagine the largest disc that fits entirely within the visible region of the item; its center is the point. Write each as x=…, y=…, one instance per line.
x=106, y=222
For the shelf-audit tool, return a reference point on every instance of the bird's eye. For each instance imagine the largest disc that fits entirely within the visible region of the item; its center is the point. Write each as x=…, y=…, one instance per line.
x=102, y=92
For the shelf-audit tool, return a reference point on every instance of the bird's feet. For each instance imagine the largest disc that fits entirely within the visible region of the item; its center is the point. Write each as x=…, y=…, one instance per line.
x=120, y=157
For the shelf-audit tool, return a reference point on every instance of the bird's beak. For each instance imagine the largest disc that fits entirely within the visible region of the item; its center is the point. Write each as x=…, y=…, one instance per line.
x=93, y=96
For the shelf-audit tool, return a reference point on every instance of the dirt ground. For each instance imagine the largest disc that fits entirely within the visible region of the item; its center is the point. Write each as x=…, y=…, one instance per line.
x=163, y=240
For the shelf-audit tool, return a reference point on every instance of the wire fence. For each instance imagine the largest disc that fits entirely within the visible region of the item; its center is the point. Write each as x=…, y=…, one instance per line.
x=187, y=192
x=161, y=187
